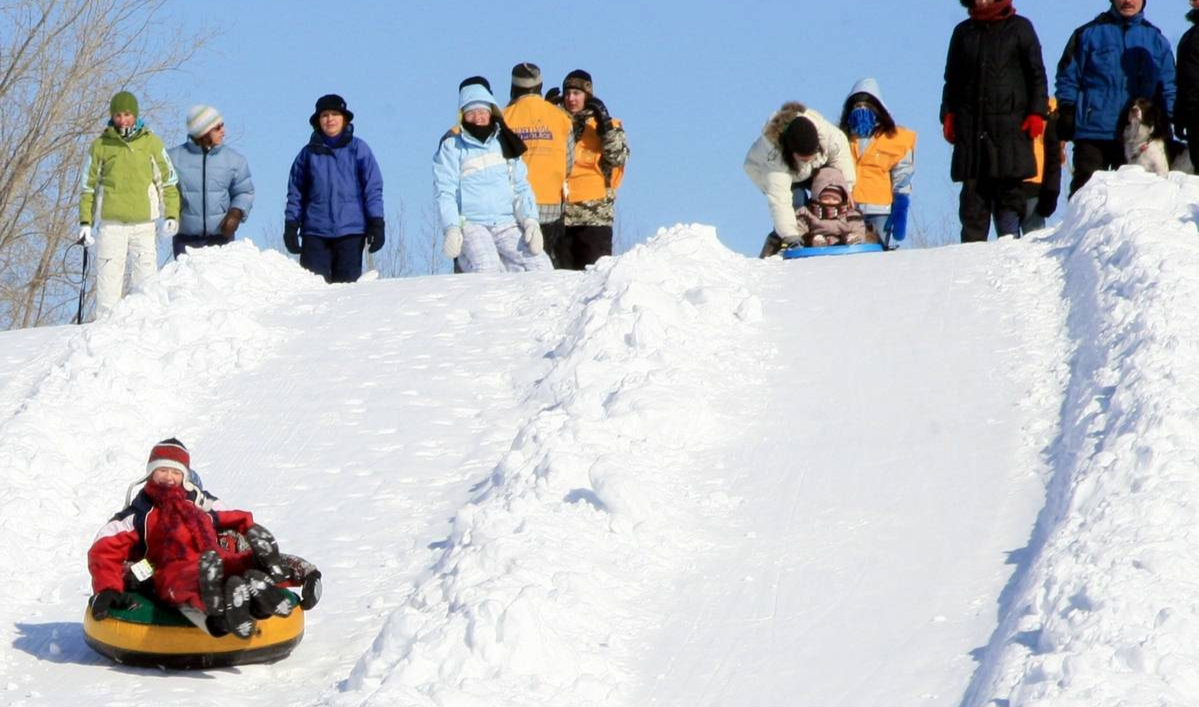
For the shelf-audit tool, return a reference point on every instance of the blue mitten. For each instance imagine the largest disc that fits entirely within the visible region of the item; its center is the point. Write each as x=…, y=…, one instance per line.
x=897, y=222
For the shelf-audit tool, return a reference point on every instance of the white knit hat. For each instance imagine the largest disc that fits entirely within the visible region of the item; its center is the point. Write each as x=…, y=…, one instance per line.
x=201, y=119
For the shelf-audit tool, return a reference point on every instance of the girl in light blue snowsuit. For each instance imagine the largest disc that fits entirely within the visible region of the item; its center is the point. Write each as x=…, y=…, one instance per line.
x=487, y=209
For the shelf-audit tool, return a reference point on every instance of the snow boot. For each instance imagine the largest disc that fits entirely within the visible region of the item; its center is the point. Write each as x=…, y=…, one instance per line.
x=212, y=579
x=266, y=600
x=266, y=552
x=237, y=608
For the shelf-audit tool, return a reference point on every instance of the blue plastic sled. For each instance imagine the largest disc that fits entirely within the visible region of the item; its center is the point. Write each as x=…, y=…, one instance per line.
x=792, y=253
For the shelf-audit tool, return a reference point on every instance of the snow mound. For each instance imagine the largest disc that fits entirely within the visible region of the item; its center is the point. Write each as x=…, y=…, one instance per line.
x=529, y=601
x=1104, y=612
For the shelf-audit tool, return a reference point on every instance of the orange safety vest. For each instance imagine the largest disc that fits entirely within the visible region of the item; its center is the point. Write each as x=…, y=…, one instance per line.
x=544, y=127
x=586, y=181
x=875, y=165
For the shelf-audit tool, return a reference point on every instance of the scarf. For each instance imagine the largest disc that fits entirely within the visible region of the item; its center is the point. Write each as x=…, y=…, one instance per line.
x=862, y=121
x=827, y=212
x=999, y=10
x=179, y=519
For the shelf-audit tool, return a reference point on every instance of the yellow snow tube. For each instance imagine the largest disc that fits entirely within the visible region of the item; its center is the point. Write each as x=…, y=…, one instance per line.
x=152, y=635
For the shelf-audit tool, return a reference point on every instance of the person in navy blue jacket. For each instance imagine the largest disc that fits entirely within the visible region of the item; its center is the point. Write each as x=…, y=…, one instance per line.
x=214, y=183
x=1111, y=60
x=334, y=196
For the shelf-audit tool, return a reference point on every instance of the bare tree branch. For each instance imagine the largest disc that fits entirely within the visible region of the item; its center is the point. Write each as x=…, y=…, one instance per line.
x=60, y=63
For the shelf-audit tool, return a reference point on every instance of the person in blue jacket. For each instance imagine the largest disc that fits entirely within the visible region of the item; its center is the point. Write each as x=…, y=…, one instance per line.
x=214, y=183
x=487, y=209
x=334, y=196
x=1111, y=60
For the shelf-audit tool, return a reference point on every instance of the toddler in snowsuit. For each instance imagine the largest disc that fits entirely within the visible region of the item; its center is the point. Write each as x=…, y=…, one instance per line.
x=830, y=218
x=216, y=565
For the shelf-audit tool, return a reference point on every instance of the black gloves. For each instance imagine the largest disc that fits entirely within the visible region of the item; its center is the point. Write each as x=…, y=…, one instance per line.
x=291, y=237
x=375, y=234
x=230, y=223
x=554, y=95
x=1047, y=203
x=109, y=599
x=1065, y=122
x=603, y=121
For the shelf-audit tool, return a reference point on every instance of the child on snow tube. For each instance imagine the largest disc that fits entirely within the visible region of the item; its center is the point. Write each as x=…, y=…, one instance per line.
x=176, y=542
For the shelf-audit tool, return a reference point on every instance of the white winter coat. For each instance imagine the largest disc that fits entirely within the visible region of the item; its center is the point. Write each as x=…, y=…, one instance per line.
x=769, y=171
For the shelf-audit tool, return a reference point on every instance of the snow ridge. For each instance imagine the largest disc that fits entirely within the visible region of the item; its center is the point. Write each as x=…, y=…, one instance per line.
x=518, y=612
x=1105, y=613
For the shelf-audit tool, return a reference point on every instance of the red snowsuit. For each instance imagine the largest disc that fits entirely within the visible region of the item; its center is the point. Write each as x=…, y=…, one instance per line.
x=138, y=532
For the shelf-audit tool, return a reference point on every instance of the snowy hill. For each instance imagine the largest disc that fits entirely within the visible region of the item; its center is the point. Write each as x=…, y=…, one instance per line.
x=963, y=476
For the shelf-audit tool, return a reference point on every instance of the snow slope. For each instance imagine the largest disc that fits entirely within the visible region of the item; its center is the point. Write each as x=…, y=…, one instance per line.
x=952, y=477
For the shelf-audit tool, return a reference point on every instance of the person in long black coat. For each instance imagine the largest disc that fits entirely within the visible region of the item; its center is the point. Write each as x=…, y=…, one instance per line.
x=993, y=106
x=1186, y=105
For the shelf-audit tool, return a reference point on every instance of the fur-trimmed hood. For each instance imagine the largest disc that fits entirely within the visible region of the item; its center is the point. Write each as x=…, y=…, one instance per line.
x=782, y=118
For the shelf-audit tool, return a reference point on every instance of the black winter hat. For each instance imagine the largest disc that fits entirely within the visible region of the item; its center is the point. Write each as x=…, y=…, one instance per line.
x=801, y=137
x=473, y=81
x=330, y=101
x=578, y=79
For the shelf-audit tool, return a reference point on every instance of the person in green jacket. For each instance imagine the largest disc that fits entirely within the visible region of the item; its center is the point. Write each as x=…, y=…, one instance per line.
x=128, y=185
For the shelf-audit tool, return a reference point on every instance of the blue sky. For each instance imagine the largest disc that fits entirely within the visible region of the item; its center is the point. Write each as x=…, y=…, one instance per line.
x=693, y=83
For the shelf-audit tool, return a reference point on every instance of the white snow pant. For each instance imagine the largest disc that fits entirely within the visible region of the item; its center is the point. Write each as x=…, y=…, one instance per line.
x=113, y=242
x=498, y=249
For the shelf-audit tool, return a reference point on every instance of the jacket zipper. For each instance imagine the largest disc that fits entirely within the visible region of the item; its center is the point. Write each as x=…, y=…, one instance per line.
x=204, y=191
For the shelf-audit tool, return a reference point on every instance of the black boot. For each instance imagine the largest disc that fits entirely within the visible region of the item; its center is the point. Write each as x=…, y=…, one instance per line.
x=237, y=608
x=266, y=600
x=212, y=579
x=266, y=552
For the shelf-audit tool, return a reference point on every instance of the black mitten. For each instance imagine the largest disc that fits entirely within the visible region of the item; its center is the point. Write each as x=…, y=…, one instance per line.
x=291, y=237
x=603, y=121
x=375, y=234
x=109, y=599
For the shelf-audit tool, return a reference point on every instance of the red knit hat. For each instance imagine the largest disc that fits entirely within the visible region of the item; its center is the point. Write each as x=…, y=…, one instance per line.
x=169, y=453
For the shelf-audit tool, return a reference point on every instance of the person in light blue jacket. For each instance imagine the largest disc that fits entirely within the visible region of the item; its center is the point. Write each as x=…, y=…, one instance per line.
x=214, y=183
x=487, y=209
x=334, y=196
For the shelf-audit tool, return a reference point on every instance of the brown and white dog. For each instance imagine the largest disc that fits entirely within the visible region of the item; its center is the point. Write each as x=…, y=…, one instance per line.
x=1147, y=141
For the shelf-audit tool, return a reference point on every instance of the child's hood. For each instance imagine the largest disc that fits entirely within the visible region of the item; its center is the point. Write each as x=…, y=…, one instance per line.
x=829, y=177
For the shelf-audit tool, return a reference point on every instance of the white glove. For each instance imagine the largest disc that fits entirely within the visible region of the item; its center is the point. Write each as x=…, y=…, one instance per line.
x=533, y=236
x=453, y=242
x=170, y=227
x=85, y=236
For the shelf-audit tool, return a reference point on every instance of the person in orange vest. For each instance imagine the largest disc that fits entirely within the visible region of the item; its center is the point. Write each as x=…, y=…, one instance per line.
x=549, y=134
x=601, y=151
x=1043, y=190
x=885, y=157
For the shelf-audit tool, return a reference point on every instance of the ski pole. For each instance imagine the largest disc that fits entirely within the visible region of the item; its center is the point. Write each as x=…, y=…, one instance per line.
x=82, y=288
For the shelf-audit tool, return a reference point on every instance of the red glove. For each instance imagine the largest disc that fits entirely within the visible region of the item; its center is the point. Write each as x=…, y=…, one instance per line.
x=947, y=129
x=1034, y=125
